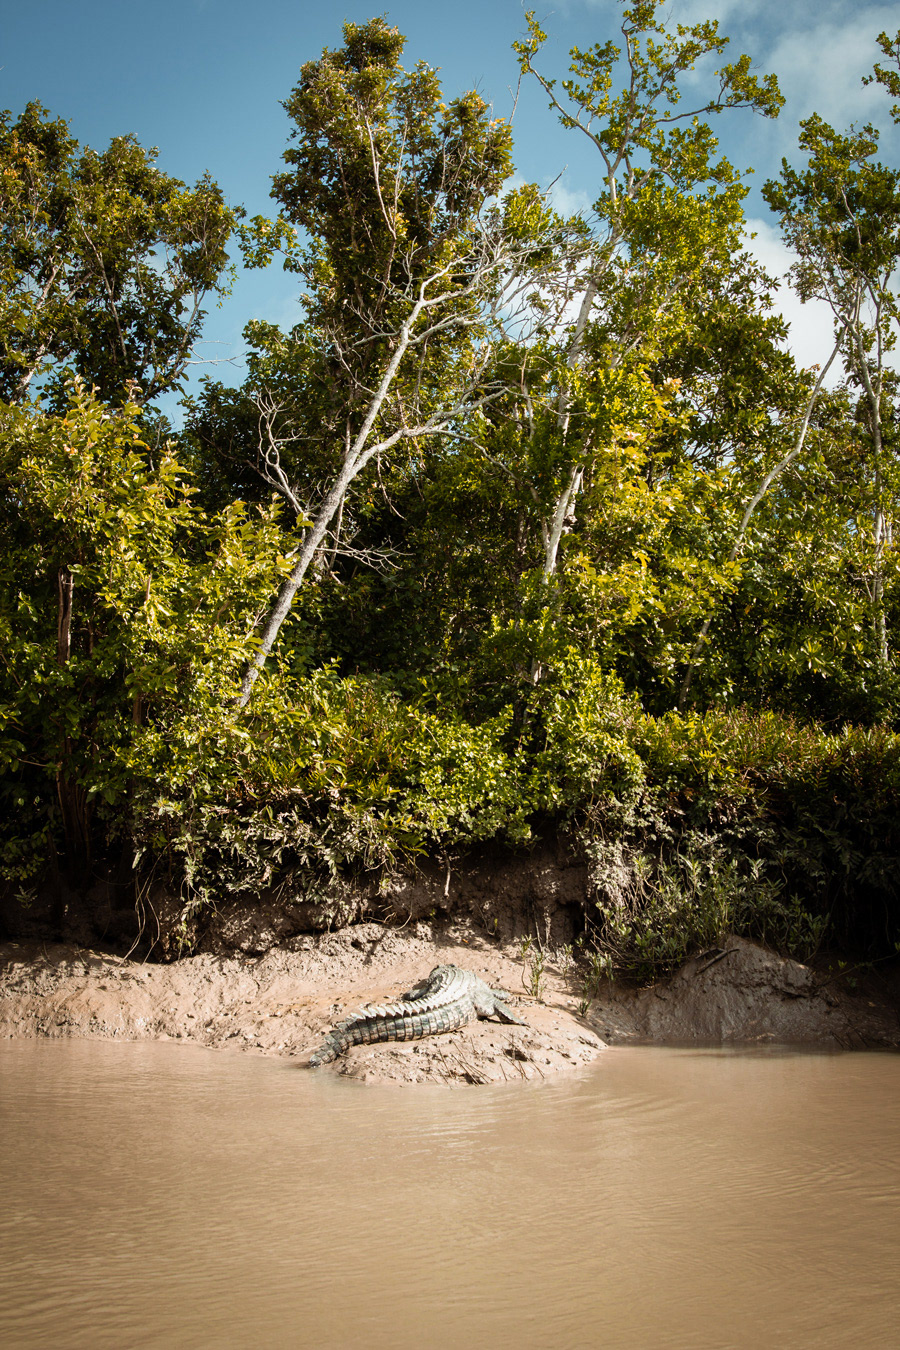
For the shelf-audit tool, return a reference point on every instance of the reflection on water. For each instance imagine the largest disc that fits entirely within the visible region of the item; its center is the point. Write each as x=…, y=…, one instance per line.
x=160, y=1195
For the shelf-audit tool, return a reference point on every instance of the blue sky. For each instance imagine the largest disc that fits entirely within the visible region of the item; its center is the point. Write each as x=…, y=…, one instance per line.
x=202, y=80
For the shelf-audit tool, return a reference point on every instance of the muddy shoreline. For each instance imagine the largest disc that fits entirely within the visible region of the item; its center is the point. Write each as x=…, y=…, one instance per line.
x=283, y=1001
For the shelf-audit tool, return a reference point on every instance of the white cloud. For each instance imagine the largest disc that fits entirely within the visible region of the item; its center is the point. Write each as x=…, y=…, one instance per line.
x=696, y=11
x=811, y=326
x=567, y=200
x=821, y=68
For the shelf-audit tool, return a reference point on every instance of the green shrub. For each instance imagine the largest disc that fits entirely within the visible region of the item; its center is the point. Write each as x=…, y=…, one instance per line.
x=755, y=823
x=653, y=911
x=580, y=745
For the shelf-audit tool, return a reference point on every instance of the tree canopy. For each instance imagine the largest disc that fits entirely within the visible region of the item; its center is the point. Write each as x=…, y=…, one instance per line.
x=528, y=521
x=105, y=263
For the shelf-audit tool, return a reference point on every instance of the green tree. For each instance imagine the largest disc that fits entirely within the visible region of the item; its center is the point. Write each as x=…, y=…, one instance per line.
x=668, y=218
x=410, y=267
x=105, y=263
x=665, y=227
x=122, y=603
x=841, y=216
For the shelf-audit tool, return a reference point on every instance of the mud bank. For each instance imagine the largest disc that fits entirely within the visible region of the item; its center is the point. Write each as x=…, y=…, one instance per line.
x=283, y=1002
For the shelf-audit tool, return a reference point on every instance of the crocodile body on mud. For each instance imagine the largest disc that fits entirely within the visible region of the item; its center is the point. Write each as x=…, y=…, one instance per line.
x=447, y=999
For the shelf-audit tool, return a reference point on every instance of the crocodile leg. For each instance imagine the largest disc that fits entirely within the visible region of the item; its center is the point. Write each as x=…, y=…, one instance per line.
x=506, y=1014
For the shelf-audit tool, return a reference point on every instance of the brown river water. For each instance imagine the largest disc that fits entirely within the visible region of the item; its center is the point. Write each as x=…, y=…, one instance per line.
x=168, y=1196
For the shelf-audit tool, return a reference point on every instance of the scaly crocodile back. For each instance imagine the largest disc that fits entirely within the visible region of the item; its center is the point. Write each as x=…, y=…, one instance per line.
x=447, y=999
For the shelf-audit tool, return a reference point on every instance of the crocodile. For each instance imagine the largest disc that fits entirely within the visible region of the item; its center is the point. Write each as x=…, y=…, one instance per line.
x=448, y=998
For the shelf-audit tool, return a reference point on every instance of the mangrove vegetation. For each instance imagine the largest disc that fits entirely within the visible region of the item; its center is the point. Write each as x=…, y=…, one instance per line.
x=531, y=526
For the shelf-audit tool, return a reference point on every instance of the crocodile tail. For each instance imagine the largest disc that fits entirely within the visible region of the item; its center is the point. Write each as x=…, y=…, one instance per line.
x=410, y=1027
x=339, y=1039
x=327, y=1051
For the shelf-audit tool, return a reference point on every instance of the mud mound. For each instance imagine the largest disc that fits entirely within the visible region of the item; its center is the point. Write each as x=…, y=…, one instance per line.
x=741, y=993
x=285, y=1001
x=482, y=1052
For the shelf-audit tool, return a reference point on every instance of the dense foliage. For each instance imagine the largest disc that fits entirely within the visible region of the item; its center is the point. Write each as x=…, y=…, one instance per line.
x=529, y=524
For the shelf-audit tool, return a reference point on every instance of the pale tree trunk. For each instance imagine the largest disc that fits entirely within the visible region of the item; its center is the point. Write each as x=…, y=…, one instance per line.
x=564, y=506
x=65, y=583
x=355, y=460
x=754, y=502
x=880, y=524
x=360, y=452
x=313, y=537
x=563, y=515
x=73, y=800
x=876, y=591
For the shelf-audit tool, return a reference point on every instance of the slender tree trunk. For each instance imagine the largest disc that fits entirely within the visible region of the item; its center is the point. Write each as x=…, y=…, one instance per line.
x=878, y=535
x=356, y=458
x=879, y=523
x=565, y=506
x=73, y=800
x=280, y=610
x=754, y=502
x=565, y=503
x=65, y=586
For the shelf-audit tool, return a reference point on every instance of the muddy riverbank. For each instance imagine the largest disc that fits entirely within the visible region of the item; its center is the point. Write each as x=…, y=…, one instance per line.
x=283, y=1001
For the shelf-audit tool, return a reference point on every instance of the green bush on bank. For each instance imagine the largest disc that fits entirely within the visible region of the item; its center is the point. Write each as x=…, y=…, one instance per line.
x=691, y=825
x=752, y=823
x=127, y=612
x=336, y=773
x=326, y=776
